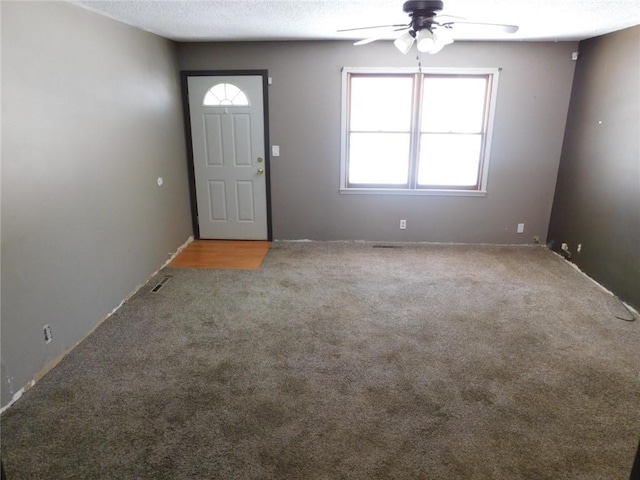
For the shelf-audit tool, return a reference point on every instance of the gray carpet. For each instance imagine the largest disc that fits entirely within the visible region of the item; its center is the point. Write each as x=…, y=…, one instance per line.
x=346, y=361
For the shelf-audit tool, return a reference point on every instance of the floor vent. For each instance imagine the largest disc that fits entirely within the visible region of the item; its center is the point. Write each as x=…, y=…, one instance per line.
x=387, y=246
x=157, y=288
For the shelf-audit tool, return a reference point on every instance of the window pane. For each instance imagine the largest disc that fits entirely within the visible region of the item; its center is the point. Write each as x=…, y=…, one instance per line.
x=453, y=104
x=449, y=159
x=225, y=94
x=379, y=158
x=381, y=104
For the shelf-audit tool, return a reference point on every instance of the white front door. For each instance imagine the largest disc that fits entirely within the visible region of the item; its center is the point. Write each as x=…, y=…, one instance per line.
x=228, y=140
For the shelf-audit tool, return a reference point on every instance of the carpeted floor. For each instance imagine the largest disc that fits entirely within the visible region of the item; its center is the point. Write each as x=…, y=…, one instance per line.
x=346, y=361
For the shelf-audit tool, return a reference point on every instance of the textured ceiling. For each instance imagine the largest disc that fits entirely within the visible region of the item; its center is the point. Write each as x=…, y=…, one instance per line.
x=238, y=20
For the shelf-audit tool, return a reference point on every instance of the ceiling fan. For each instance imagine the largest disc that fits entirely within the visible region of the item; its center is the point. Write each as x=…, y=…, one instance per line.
x=426, y=28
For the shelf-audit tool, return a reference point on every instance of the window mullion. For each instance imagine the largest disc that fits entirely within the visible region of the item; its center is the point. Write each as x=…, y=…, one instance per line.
x=414, y=152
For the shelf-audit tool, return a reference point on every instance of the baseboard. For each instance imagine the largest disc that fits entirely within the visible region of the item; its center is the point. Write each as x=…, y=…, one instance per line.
x=400, y=242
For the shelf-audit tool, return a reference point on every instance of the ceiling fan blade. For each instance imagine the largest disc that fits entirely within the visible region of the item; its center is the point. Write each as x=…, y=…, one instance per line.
x=496, y=26
x=366, y=41
x=379, y=36
x=439, y=16
x=377, y=26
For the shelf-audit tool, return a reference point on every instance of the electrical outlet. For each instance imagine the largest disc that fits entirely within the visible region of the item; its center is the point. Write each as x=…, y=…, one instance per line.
x=47, y=334
x=579, y=249
x=536, y=239
x=565, y=248
x=403, y=224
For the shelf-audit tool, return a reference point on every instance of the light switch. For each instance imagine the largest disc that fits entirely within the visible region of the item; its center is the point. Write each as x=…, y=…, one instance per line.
x=275, y=150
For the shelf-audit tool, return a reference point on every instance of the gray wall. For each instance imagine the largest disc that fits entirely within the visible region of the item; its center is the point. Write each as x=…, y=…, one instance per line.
x=597, y=200
x=91, y=116
x=304, y=102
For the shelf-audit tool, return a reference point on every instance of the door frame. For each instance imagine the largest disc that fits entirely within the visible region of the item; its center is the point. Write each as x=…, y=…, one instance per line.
x=184, y=75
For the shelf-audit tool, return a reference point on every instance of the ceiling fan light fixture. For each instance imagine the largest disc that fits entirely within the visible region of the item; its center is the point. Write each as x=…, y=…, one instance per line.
x=443, y=37
x=435, y=49
x=404, y=42
x=432, y=42
x=426, y=41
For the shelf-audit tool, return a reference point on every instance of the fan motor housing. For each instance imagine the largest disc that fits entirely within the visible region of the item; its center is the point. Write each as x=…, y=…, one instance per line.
x=423, y=7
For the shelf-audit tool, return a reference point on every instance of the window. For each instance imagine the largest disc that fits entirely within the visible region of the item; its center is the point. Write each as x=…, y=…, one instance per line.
x=225, y=94
x=418, y=133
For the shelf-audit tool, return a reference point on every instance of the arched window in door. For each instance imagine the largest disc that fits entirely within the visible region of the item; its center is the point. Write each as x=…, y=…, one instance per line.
x=225, y=94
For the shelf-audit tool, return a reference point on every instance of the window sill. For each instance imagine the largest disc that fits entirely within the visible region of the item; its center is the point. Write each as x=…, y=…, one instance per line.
x=404, y=191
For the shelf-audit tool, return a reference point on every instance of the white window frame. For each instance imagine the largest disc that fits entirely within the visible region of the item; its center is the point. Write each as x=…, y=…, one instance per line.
x=493, y=94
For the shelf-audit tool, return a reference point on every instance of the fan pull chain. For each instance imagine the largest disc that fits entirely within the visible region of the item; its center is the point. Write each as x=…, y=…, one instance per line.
x=419, y=62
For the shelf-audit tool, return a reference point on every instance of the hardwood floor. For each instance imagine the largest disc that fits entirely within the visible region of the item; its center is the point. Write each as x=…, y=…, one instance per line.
x=222, y=254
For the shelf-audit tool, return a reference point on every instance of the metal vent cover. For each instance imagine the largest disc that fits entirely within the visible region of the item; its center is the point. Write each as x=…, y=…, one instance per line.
x=161, y=284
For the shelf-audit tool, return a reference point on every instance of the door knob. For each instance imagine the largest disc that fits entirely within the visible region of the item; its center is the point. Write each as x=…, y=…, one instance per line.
x=260, y=171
